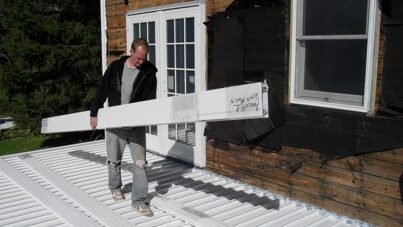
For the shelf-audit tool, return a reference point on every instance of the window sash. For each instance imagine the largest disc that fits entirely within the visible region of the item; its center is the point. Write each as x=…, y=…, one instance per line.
x=331, y=37
x=322, y=98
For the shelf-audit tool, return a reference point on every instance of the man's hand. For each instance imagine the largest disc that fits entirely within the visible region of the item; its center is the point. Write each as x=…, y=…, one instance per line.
x=93, y=122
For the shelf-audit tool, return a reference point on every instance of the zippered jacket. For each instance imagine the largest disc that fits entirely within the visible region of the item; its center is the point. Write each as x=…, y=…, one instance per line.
x=144, y=87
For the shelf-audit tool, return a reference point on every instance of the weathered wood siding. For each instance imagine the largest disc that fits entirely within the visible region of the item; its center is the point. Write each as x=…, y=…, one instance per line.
x=116, y=18
x=366, y=187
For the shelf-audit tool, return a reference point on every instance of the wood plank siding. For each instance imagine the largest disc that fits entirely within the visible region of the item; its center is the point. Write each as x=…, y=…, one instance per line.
x=367, y=187
x=116, y=18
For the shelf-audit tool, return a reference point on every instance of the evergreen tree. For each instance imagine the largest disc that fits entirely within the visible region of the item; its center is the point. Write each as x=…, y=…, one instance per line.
x=50, y=58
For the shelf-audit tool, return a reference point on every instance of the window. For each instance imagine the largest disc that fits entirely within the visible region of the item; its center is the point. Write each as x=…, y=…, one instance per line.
x=332, y=53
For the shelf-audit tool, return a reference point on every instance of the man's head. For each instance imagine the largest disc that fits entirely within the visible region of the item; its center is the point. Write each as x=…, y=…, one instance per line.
x=138, y=52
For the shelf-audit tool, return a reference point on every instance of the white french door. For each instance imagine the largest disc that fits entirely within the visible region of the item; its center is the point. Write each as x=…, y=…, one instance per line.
x=177, y=47
x=145, y=26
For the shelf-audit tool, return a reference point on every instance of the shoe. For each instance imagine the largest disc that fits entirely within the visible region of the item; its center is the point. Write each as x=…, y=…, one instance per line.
x=118, y=195
x=142, y=207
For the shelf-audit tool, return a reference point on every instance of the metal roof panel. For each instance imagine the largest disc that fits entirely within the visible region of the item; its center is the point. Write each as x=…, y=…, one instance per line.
x=68, y=186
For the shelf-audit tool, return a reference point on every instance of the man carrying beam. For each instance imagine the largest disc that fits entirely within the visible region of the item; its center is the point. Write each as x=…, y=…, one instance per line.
x=127, y=80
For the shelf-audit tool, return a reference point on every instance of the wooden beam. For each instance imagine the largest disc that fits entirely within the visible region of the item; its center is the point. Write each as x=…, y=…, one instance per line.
x=232, y=103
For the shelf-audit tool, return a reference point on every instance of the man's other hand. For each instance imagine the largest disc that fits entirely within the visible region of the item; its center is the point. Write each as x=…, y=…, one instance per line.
x=94, y=122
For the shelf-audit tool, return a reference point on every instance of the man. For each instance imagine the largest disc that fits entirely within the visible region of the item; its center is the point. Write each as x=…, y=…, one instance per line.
x=127, y=80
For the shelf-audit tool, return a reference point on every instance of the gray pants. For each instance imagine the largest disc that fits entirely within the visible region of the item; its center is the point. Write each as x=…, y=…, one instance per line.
x=116, y=140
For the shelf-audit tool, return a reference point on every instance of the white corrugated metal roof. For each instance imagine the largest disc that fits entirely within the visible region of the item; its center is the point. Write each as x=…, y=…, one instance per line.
x=67, y=186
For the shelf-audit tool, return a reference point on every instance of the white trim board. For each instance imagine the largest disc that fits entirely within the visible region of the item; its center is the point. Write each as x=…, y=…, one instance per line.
x=232, y=103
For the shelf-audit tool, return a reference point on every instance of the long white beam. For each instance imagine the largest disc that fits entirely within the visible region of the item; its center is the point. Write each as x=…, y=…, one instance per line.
x=232, y=103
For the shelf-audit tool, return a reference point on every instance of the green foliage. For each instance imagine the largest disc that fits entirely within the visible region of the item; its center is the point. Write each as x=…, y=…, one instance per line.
x=20, y=141
x=50, y=58
x=21, y=144
x=15, y=141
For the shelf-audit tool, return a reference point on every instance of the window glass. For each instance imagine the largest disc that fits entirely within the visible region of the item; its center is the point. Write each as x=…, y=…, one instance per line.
x=170, y=31
x=331, y=54
x=190, y=56
x=154, y=130
x=181, y=133
x=335, y=17
x=190, y=82
x=172, y=131
x=335, y=66
x=136, y=31
x=180, y=81
x=190, y=30
x=151, y=32
x=143, y=29
x=190, y=134
x=171, y=81
x=180, y=58
x=151, y=54
x=180, y=30
x=171, y=56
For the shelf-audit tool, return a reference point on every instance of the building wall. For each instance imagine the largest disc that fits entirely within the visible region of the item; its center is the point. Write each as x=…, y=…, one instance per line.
x=367, y=187
x=116, y=19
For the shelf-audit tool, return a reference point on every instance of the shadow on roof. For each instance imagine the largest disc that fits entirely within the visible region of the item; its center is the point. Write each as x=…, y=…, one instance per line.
x=165, y=184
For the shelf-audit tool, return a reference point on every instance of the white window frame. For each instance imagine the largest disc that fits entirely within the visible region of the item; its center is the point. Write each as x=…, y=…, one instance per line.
x=313, y=98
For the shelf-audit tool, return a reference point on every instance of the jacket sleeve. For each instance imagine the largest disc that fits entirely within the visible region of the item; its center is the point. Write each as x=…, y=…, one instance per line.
x=150, y=88
x=102, y=93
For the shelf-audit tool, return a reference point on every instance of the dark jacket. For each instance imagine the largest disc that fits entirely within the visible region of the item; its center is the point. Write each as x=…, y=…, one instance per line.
x=144, y=87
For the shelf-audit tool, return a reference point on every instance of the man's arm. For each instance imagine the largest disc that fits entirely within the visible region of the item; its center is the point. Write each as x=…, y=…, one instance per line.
x=100, y=98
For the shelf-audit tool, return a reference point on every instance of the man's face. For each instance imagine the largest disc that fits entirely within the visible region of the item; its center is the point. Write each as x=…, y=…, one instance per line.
x=138, y=56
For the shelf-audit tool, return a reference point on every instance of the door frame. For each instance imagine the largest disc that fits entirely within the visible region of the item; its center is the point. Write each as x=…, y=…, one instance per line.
x=161, y=145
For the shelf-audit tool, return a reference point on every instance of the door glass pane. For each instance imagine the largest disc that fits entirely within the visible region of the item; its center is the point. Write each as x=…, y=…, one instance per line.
x=171, y=56
x=180, y=58
x=143, y=30
x=335, y=66
x=154, y=130
x=186, y=133
x=170, y=31
x=171, y=81
x=191, y=134
x=335, y=17
x=190, y=56
x=180, y=30
x=136, y=31
x=151, y=54
x=190, y=37
x=151, y=32
x=181, y=133
x=190, y=82
x=172, y=131
x=180, y=82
